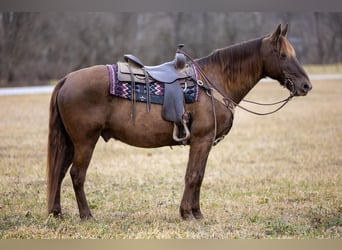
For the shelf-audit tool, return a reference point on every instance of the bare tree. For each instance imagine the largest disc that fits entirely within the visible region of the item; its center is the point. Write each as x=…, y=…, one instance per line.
x=16, y=31
x=36, y=47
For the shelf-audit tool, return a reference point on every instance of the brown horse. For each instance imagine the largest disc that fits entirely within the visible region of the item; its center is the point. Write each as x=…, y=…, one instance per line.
x=82, y=110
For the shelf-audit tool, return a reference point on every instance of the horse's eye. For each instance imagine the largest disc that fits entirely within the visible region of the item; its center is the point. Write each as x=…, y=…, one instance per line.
x=282, y=55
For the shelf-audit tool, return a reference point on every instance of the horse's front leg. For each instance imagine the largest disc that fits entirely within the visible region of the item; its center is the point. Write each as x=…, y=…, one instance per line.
x=199, y=152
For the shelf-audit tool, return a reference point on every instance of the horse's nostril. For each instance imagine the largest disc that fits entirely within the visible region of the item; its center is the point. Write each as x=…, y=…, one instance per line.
x=307, y=87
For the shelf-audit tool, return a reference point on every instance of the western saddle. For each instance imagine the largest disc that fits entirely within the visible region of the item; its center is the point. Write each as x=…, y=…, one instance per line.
x=174, y=75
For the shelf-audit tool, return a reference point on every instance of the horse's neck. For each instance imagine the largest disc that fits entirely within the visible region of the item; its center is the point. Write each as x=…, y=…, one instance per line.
x=239, y=88
x=237, y=77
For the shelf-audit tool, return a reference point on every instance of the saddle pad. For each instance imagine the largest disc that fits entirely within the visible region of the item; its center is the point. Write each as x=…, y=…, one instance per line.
x=123, y=89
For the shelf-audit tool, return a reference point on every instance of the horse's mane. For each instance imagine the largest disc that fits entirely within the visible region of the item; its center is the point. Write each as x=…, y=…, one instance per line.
x=235, y=60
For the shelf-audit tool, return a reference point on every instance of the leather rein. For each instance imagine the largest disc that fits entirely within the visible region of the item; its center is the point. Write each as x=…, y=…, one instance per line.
x=228, y=102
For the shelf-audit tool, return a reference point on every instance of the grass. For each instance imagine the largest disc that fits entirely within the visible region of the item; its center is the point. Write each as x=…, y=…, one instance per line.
x=272, y=177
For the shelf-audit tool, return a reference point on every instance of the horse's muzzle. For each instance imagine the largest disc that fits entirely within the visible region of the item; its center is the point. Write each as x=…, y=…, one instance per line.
x=303, y=88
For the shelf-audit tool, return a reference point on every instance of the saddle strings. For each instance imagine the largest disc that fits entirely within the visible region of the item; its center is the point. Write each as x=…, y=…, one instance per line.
x=133, y=94
x=284, y=102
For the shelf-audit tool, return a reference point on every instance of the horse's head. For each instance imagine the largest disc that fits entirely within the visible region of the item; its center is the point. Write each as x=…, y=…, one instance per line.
x=281, y=64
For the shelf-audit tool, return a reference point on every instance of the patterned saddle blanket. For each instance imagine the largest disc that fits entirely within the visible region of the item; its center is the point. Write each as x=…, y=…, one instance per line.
x=123, y=88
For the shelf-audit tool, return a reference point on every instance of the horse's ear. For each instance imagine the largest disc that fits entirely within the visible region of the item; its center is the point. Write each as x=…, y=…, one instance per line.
x=284, y=31
x=276, y=34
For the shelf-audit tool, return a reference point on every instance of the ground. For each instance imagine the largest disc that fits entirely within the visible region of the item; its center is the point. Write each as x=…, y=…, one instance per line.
x=277, y=176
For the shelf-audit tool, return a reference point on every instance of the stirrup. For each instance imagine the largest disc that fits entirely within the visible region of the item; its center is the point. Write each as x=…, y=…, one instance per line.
x=176, y=130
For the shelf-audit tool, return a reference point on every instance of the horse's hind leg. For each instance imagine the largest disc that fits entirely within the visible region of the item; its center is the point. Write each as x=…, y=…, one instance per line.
x=57, y=210
x=82, y=156
x=190, y=205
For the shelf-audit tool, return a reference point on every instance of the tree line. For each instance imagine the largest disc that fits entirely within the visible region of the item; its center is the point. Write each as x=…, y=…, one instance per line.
x=38, y=47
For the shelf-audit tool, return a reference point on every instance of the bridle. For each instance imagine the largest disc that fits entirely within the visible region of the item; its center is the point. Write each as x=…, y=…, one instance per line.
x=216, y=93
x=229, y=102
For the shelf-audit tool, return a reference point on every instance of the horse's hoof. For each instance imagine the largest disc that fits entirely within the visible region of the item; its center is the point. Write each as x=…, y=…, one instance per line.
x=197, y=214
x=86, y=217
x=56, y=213
x=186, y=215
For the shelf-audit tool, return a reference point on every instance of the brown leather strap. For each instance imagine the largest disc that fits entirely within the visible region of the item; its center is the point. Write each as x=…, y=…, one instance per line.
x=133, y=94
x=148, y=94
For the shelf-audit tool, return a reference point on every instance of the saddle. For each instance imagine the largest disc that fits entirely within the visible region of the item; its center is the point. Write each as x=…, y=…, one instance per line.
x=167, y=72
x=174, y=75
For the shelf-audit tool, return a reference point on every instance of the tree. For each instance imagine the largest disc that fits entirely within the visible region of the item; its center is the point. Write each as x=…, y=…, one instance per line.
x=15, y=31
x=37, y=47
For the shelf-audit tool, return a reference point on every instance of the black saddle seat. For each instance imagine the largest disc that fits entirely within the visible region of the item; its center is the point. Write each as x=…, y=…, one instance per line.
x=167, y=72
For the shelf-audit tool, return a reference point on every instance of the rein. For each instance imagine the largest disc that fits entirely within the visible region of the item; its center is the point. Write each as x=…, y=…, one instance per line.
x=284, y=102
x=226, y=98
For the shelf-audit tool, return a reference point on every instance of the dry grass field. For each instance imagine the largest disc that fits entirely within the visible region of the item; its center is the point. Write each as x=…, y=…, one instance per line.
x=277, y=176
x=324, y=69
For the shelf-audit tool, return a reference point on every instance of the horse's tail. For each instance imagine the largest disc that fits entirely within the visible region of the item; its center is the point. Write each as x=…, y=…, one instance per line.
x=60, y=150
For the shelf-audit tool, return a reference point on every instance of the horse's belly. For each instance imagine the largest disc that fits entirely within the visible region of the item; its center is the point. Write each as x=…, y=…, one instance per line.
x=144, y=129
x=140, y=136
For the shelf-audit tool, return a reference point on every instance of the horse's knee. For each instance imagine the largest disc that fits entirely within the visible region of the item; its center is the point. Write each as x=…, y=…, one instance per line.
x=194, y=179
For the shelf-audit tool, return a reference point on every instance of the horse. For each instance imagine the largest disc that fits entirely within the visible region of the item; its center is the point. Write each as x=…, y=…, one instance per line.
x=82, y=110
